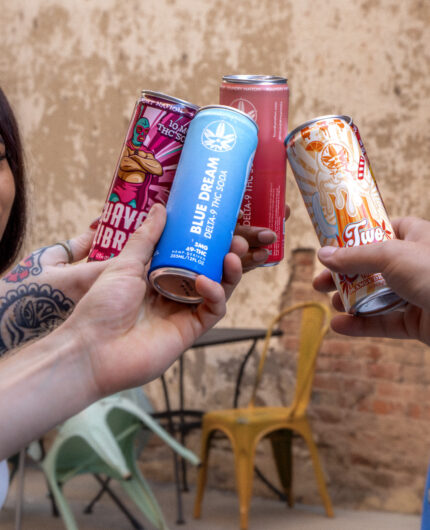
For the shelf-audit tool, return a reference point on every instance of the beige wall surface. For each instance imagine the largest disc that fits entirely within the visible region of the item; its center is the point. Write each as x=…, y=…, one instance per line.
x=73, y=69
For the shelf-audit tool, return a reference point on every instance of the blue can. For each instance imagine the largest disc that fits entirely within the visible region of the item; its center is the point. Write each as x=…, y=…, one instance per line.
x=204, y=201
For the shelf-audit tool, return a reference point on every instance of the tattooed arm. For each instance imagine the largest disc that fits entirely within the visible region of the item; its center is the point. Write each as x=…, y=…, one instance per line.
x=120, y=335
x=40, y=292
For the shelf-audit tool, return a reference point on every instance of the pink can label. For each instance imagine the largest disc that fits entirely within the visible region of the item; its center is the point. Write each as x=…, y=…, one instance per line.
x=144, y=172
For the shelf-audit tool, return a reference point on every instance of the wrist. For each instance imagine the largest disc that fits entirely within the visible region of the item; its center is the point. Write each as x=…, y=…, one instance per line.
x=76, y=354
x=42, y=385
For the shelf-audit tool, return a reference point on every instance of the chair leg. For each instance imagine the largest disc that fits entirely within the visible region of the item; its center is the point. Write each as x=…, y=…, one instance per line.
x=203, y=470
x=281, y=442
x=140, y=492
x=244, y=464
x=63, y=507
x=319, y=475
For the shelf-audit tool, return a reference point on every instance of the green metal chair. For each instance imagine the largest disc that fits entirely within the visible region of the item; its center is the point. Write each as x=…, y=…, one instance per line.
x=103, y=439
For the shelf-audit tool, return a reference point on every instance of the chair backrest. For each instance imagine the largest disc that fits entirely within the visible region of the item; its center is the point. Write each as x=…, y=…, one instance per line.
x=314, y=325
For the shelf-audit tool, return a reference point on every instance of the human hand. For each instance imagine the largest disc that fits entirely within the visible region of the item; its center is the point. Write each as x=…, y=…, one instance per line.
x=405, y=266
x=39, y=293
x=248, y=243
x=129, y=334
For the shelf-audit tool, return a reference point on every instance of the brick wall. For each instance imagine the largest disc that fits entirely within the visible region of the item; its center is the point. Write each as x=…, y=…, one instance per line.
x=370, y=412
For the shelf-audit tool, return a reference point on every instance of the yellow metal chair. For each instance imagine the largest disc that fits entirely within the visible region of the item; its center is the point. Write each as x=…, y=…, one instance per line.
x=245, y=427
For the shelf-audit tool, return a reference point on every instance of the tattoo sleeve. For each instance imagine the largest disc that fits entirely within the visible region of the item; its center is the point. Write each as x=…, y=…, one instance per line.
x=30, y=311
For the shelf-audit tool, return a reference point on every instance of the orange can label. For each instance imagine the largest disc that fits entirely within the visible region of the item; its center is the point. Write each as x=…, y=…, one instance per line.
x=332, y=170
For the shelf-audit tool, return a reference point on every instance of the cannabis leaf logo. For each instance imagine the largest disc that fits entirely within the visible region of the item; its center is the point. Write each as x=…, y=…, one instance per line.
x=219, y=136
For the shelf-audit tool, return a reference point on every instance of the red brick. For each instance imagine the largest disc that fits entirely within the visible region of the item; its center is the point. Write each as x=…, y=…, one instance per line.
x=371, y=351
x=390, y=389
x=414, y=411
x=380, y=406
x=336, y=347
x=413, y=374
x=347, y=366
x=390, y=371
x=327, y=382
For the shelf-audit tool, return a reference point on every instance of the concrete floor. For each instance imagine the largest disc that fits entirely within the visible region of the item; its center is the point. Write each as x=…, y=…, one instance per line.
x=220, y=511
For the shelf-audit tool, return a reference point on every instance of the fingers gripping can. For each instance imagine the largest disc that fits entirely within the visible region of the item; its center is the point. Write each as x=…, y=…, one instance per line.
x=265, y=99
x=145, y=169
x=204, y=201
x=332, y=170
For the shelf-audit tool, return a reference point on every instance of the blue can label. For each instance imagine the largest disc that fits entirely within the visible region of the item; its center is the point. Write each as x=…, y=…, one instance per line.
x=207, y=192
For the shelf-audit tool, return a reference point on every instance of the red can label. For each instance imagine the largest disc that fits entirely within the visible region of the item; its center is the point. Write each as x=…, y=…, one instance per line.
x=144, y=172
x=264, y=200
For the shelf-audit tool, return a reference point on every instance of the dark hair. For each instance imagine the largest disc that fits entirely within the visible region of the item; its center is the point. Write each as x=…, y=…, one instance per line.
x=13, y=237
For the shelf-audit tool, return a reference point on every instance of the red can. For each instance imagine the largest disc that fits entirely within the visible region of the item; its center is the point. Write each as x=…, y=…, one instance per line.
x=145, y=169
x=265, y=99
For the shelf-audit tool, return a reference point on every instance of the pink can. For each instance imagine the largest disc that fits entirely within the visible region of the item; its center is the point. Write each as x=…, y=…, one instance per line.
x=145, y=169
x=265, y=99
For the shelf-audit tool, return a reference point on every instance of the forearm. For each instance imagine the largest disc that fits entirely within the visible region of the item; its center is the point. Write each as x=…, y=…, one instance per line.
x=42, y=385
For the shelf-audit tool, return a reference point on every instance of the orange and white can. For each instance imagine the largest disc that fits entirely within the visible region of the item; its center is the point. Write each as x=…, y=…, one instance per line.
x=332, y=170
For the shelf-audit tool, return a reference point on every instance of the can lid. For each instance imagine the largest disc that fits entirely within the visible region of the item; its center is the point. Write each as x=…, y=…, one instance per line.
x=343, y=117
x=176, y=284
x=171, y=99
x=227, y=108
x=255, y=79
x=379, y=303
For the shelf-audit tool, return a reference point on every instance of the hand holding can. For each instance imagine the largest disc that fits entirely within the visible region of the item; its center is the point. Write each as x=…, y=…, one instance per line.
x=204, y=201
x=332, y=170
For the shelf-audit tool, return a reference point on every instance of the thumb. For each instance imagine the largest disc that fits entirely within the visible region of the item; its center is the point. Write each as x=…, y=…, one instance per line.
x=80, y=245
x=366, y=259
x=141, y=244
x=403, y=264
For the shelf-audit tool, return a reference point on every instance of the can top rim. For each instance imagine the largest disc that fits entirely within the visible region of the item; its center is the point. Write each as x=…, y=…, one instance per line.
x=226, y=107
x=247, y=79
x=344, y=117
x=171, y=99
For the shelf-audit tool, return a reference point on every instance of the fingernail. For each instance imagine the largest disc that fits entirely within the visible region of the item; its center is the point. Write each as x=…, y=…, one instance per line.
x=326, y=252
x=240, y=214
x=266, y=237
x=152, y=210
x=260, y=255
x=94, y=223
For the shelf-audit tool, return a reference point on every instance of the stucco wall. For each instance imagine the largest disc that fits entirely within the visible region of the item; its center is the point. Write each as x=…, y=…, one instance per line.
x=73, y=69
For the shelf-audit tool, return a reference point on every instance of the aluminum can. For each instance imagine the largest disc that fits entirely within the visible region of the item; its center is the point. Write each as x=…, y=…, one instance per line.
x=265, y=99
x=332, y=170
x=145, y=169
x=204, y=202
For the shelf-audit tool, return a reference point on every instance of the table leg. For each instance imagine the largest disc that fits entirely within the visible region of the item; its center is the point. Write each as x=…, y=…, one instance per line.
x=104, y=483
x=241, y=372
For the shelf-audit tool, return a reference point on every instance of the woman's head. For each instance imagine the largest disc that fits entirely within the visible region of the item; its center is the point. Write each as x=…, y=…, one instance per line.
x=12, y=186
